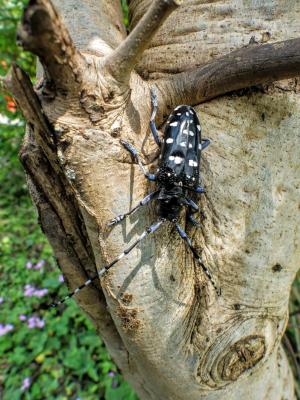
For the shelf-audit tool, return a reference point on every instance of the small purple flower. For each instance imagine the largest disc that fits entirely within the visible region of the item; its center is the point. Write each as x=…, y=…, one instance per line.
x=31, y=323
x=35, y=322
x=32, y=291
x=22, y=317
x=29, y=290
x=26, y=384
x=29, y=265
x=111, y=374
x=40, y=292
x=5, y=329
x=39, y=265
x=61, y=278
x=1, y=300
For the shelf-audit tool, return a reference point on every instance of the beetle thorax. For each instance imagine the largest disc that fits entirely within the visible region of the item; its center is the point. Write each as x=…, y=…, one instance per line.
x=169, y=201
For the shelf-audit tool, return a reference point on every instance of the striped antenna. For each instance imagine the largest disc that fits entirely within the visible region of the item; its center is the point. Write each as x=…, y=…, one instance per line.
x=149, y=230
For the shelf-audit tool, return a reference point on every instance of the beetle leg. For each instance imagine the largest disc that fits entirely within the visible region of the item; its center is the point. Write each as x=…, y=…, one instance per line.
x=198, y=189
x=192, y=209
x=192, y=205
x=193, y=220
x=153, y=128
x=204, y=144
x=132, y=150
x=143, y=202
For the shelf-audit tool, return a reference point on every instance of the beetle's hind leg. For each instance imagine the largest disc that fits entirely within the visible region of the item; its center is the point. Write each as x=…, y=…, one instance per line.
x=192, y=209
x=185, y=237
x=154, y=105
x=192, y=219
x=133, y=151
x=143, y=202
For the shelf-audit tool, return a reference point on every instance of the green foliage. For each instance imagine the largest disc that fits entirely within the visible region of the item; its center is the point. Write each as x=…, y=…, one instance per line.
x=125, y=12
x=43, y=355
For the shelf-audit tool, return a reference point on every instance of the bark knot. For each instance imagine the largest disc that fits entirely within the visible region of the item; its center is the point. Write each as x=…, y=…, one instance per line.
x=242, y=356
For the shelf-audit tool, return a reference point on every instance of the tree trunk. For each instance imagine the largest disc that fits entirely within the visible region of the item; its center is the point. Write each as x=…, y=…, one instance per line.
x=161, y=319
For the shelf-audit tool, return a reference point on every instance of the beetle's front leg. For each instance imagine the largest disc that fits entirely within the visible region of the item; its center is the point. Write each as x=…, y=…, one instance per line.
x=142, y=203
x=133, y=151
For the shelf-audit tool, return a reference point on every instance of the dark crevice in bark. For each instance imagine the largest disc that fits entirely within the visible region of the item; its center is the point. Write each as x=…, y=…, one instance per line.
x=52, y=187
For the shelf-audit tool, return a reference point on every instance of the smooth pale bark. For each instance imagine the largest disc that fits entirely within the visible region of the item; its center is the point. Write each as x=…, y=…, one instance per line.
x=161, y=320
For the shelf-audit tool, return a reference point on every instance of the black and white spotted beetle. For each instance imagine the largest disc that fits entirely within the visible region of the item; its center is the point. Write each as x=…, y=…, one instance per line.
x=177, y=174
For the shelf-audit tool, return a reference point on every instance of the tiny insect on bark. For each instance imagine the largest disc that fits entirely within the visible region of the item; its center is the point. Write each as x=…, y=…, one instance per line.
x=177, y=175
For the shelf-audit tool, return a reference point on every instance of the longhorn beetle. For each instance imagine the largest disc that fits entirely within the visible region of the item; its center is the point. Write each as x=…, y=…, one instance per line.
x=177, y=174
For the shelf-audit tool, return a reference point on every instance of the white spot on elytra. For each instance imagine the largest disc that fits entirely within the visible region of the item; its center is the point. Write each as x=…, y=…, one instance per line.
x=177, y=108
x=171, y=158
x=175, y=123
x=191, y=133
x=178, y=113
x=187, y=114
x=190, y=145
x=198, y=127
x=200, y=146
x=169, y=140
x=185, y=132
x=178, y=160
x=168, y=174
x=183, y=144
x=193, y=163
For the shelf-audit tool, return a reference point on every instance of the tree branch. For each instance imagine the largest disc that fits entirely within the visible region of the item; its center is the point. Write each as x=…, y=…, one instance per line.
x=122, y=61
x=249, y=66
x=43, y=33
